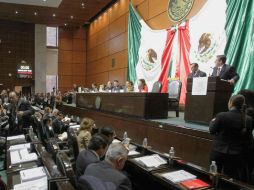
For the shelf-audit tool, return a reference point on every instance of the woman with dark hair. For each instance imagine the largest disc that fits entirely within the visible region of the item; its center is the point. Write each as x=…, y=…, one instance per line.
x=142, y=87
x=232, y=131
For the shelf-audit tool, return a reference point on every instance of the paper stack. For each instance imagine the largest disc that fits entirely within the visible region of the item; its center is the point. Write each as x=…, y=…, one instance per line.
x=15, y=137
x=39, y=184
x=20, y=146
x=21, y=156
x=32, y=174
x=151, y=161
x=178, y=176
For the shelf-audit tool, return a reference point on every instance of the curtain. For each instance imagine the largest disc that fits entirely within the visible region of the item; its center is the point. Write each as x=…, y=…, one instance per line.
x=183, y=61
x=240, y=41
x=166, y=56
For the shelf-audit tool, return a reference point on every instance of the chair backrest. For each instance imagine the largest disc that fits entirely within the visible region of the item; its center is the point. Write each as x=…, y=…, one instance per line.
x=93, y=183
x=157, y=87
x=65, y=167
x=73, y=143
x=174, y=89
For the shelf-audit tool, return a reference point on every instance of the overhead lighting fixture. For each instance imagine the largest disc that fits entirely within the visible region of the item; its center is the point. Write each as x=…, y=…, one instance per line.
x=9, y=51
x=72, y=17
x=44, y=0
x=65, y=24
x=35, y=13
x=83, y=5
x=54, y=15
x=16, y=12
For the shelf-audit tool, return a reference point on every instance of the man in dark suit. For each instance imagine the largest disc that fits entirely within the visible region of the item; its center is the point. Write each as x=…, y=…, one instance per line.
x=232, y=132
x=20, y=113
x=224, y=71
x=195, y=72
x=58, y=125
x=116, y=86
x=109, y=170
x=97, y=148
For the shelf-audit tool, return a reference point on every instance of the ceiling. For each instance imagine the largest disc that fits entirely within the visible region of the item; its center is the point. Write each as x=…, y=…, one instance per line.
x=52, y=12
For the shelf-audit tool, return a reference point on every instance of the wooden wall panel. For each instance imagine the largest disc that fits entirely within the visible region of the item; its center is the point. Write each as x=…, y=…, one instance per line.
x=107, y=37
x=17, y=44
x=72, y=58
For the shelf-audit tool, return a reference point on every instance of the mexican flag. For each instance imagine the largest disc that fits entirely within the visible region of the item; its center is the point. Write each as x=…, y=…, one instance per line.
x=207, y=34
x=146, y=47
x=158, y=55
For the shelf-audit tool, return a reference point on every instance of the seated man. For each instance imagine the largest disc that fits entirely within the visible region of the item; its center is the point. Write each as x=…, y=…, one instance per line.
x=116, y=86
x=97, y=148
x=58, y=125
x=109, y=170
x=195, y=72
x=108, y=132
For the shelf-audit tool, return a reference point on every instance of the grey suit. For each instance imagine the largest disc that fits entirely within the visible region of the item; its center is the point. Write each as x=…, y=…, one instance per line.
x=227, y=73
x=85, y=158
x=197, y=74
x=106, y=173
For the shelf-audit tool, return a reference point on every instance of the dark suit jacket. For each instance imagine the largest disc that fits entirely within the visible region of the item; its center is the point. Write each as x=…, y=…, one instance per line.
x=227, y=73
x=58, y=126
x=228, y=131
x=93, y=183
x=85, y=158
x=105, y=172
x=24, y=121
x=116, y=88
x=197, y=74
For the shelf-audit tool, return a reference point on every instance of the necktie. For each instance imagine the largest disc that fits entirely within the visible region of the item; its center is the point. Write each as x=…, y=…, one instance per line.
x=218, y=71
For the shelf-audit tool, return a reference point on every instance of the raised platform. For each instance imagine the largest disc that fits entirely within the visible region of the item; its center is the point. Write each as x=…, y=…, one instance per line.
x=192, y=142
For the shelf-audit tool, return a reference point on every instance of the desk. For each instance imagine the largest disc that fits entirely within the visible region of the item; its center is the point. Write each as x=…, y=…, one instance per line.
x=142, y=105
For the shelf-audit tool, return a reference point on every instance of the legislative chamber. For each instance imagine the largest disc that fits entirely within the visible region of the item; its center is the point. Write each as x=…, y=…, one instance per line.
x=126, y=95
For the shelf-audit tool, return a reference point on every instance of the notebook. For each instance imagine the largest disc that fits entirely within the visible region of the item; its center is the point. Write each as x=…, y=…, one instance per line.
x=178, y=176
x=32, y=174
x=19, y=146
x=133, y=153
x=39, y=184
x=194, y=184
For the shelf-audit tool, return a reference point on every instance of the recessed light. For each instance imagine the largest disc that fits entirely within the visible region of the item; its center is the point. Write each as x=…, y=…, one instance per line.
x=44, y=0
x=16, y=12
x=54, y=15
x=35, y=13
x=65, y=24
x=9, y=51
x=72, y=17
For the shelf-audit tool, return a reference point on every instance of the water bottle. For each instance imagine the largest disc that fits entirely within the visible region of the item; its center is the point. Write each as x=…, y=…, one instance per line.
x=171, y=155
x=55, y=172
x=31, y=132
x=125, y=135
x=213, y=168
x=145, y=143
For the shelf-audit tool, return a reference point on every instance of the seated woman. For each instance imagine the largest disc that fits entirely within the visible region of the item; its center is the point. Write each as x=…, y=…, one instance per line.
x=84, y=135
x=129, y=86
x=142, y=87
x=102, y=88
x=94, y=87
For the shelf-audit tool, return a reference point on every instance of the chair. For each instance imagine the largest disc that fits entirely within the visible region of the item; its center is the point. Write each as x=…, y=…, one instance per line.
x=174, y=91
x=93, y=183
x=65, y=167
x=73, y=144
x=157, y=87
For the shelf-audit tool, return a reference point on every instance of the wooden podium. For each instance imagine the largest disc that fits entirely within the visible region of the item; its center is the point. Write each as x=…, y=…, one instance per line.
x=202, y=109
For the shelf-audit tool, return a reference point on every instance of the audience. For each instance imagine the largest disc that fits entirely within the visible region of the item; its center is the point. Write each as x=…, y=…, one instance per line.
x=96, y=149
x=109, y=170
x=233, y=133
x=84, y=135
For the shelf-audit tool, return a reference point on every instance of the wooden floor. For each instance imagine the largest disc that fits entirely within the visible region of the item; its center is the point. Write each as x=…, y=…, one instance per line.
x=190, y=144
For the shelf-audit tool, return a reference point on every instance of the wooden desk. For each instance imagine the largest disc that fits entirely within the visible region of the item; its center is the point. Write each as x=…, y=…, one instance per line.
x=142, y=105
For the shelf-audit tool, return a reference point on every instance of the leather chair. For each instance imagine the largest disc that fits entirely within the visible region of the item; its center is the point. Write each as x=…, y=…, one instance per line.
x=174, y=91
x=73, y=144
x=157, y=87
x=65, y=167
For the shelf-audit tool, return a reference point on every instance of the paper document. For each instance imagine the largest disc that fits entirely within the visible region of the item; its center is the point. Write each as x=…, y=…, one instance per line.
x=16, y=137
x=178, y=176
x=32, y=174
x=20, y=146
x=39, y=184
x=199, y=86
x=21, y=156
x=133, y=153
x=116, y=141
x=151, y=161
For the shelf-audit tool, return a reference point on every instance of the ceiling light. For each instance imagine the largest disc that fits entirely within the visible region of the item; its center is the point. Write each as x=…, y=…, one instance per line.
x=9, y=51
x=83, y=5
x=72, y=17
x=35, y=13
x=54, y=15
x=44, y=0
x=65, y=24
x=16, y=12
